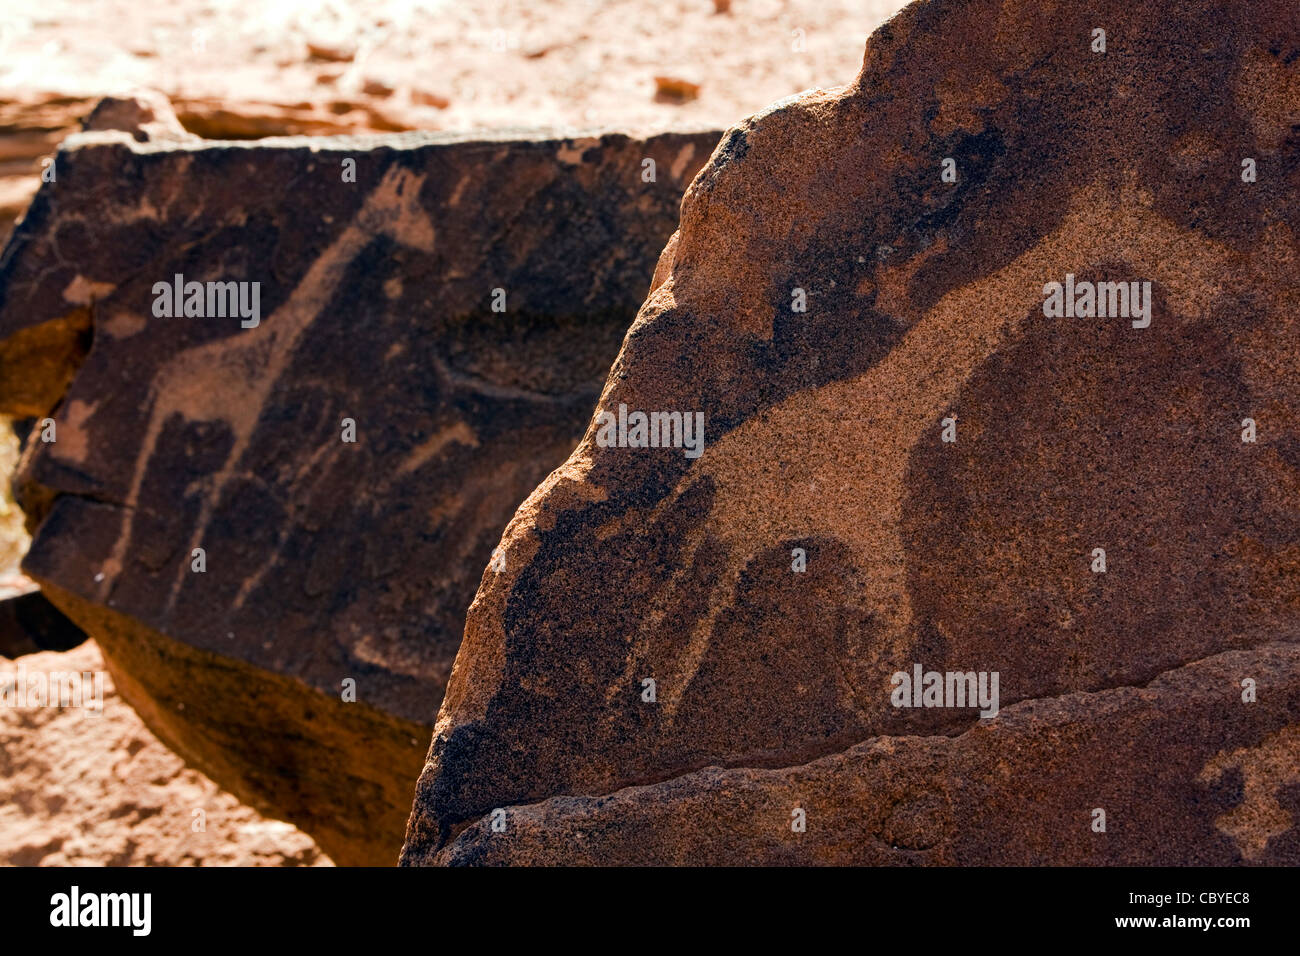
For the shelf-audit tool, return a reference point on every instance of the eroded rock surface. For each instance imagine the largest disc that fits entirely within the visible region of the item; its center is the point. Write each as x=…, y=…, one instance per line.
x=825, y=443
x=201, y=512
x=1018, y=791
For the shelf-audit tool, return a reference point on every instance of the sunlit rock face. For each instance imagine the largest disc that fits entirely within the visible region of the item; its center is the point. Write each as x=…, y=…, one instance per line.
x=918, y=458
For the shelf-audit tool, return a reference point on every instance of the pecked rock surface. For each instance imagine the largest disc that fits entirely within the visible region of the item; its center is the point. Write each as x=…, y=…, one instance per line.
x=957, y=800
x=324, y=561
x=1121, y=689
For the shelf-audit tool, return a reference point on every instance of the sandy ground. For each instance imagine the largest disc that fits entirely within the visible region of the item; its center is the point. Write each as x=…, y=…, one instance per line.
x=238, y=69
x=80, y=790
x=495, y=63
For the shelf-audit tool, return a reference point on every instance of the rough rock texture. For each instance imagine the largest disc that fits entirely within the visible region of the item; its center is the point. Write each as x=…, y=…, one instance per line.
x=28, y=621
x=82, y=790
x=325, y=560
x=14, y=539
x=824, y=428
x=31, y=127
x=1016, y=791
x=147, y=115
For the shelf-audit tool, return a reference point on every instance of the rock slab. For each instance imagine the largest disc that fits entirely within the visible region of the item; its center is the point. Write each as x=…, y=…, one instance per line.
x=272, y=521
x=912, y=458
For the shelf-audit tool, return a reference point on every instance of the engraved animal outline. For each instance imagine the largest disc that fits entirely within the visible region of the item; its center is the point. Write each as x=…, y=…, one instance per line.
x=818, y=435
x=251, y=362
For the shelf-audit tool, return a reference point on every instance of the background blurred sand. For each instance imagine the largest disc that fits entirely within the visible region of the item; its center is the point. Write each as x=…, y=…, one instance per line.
x=237, y=69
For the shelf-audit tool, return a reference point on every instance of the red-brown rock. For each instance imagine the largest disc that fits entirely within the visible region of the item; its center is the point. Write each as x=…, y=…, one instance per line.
x=1130, y=690
x=272, y=524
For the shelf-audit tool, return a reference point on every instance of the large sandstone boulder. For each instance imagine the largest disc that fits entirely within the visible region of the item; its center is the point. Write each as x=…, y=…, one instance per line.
x=273, y=520
x=928, y=469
